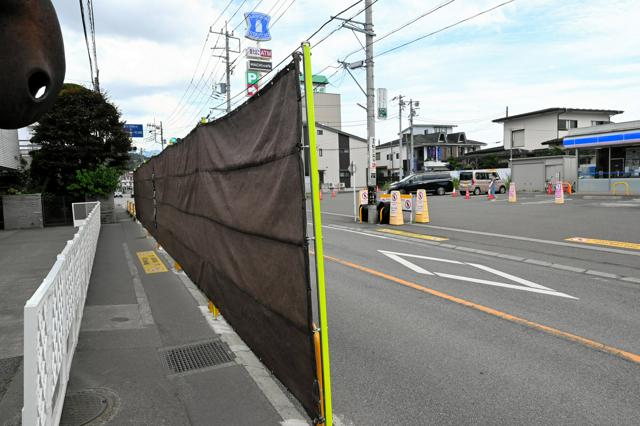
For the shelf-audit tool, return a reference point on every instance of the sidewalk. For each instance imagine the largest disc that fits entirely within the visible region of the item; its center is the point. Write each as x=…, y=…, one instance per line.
x=136, y=363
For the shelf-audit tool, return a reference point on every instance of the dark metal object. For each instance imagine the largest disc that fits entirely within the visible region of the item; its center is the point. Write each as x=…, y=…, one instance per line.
x=81, y=408
x=196, y=356
x=31, y=59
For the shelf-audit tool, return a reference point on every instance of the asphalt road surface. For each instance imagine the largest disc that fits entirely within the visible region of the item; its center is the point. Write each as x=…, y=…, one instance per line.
x=488, y=315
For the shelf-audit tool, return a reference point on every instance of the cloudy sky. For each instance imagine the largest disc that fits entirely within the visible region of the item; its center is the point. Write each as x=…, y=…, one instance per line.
x=155, y=57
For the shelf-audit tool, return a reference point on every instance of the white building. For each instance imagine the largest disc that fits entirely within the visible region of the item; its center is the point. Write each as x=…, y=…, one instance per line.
x=9, y=150
x=336, y=151
x=529, y=130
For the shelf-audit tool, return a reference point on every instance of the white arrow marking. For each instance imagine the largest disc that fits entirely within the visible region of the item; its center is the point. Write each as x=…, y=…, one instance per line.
x=525, y=285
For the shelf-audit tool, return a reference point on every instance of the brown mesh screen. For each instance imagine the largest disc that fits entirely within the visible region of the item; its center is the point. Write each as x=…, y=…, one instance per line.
x=228, y=204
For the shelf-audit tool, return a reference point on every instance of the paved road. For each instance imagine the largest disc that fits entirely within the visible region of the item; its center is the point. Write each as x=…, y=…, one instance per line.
x=470, y=331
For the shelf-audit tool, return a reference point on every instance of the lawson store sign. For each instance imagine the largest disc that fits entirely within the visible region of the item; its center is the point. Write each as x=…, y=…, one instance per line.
x=602, y=139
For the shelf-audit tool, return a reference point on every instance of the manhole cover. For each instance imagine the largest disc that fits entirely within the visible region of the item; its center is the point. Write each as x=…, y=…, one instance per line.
x=87, y=406
x=195, y=356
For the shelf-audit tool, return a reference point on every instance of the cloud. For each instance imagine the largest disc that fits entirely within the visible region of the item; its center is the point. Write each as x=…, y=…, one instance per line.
x=528, y=55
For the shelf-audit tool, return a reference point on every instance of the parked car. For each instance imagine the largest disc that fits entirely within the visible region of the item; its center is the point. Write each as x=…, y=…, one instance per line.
x=117, y=194
x=438, y=183
x=478, y=181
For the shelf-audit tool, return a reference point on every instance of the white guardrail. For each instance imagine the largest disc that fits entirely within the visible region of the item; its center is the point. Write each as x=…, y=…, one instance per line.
x=52, y=318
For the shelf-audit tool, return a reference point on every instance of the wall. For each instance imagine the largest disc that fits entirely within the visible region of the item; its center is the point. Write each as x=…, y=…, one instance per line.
x=9, y=149
x=533, y=174
x=327, y=109
x=541, y=128
x=22, y=211
x=359, y=156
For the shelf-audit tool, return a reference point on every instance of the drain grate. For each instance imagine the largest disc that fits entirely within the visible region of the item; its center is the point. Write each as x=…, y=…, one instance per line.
x=196, y=356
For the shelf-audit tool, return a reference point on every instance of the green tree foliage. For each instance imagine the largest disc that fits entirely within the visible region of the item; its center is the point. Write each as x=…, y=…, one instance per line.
x=98, y=182
x=81, y=132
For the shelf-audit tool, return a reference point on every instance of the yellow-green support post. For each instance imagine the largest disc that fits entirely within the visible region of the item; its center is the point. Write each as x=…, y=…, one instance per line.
x=317, y=230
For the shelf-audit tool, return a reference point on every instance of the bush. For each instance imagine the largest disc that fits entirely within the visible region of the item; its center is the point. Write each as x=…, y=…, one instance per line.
x=98, y=182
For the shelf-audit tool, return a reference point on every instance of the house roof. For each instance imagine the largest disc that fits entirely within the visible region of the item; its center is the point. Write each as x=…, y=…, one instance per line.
x=334, y=130
x=439, y=139
x=557, y=110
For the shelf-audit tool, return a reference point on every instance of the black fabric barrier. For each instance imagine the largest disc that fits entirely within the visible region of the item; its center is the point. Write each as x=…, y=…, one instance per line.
x=228, y=204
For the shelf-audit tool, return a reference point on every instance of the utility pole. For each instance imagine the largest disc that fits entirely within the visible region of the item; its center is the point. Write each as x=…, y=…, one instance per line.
x=371, y=120
x=154, y=128
x=226, y=58
x=506, y=114
x=412, y=112
x=401, y=105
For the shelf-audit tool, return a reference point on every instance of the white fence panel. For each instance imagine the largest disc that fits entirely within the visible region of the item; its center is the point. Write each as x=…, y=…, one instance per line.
x=52, y=318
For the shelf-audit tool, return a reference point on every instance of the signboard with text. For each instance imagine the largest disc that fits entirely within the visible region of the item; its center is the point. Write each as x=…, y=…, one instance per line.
x=258, y=53
x=258, y=65
x=134, y=130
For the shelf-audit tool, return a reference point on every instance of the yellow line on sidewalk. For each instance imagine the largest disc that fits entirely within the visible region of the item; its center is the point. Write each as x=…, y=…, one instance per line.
x=412, y=234
x=151, y=263
x=508, y=317
x=620, y=244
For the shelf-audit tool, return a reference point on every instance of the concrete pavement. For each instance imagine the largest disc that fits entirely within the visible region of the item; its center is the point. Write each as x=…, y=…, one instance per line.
x=147, y=349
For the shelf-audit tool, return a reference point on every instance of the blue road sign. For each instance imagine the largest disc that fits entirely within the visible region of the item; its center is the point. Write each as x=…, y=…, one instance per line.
x=134, y=130
x=257, y=26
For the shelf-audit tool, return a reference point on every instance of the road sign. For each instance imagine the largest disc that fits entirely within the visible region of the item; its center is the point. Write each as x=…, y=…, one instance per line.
x=134, y=130
x=253, y=77
x=382, y=103
x=252, y=89
x=258, y=52
x=258, y=65
x=520, y=283
x=364, y=196
x=407, y=204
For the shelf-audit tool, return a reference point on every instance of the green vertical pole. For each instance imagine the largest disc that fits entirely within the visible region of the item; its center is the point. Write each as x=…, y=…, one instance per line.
x=317, y=230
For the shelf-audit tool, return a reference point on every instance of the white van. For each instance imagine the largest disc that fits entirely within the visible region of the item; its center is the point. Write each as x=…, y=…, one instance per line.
x=478, y=181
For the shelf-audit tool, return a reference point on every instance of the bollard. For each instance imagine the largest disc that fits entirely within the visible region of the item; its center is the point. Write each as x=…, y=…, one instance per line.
x=422, y=207
x=512, y=192
x=559, y=197
x=395, y=211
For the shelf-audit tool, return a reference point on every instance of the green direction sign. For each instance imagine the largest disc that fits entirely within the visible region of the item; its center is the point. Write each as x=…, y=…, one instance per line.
x=382, y=113
x=253, y=77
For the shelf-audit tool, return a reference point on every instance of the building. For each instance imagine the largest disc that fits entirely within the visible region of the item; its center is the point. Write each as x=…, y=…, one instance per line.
x=26, y=146
x=126, y=181
x=9, y=150
x=337, y=150
x=432, y=144
x=528, y=131
x=608, y=157
x=327, y=105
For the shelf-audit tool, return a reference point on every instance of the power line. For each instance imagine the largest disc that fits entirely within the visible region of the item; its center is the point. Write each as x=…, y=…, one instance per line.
x=204, y=45
x=382, y=37
x=332, y=18
x=86, y=39
x=92, y=26
x=444, y=28
x=285, y=11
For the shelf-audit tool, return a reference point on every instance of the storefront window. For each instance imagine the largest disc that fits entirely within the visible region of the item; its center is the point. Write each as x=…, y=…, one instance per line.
x=632, y=161
x=586, y=164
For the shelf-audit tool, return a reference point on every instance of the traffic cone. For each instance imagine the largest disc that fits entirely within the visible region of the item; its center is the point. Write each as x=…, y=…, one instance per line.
x=320, y=195
x=466, y=196
x=333, y=193
x=454, y=193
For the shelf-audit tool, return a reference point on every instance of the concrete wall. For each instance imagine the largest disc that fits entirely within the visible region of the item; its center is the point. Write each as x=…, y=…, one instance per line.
x=541, y=128
x=9, y=149
x=22, y=211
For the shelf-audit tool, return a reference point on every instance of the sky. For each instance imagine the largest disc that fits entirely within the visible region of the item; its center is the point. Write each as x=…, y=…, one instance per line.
x=156, y=59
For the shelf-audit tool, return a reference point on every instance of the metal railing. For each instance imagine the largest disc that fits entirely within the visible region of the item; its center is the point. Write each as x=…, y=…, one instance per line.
x=52, y=318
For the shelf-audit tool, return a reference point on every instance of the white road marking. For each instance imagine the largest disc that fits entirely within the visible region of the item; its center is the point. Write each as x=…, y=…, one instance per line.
x=533, y=240
x=509, y=276
x=511, y=286
x=525, y=285
x=406, y=263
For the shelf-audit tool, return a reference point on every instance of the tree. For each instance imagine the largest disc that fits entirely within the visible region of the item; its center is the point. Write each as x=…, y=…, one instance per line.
x=99, y=182
x=81, y=132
